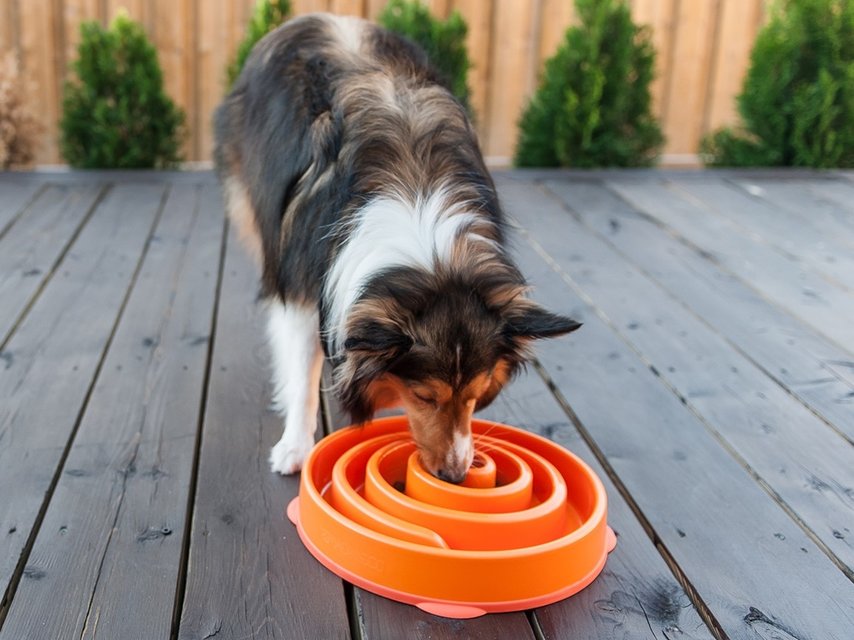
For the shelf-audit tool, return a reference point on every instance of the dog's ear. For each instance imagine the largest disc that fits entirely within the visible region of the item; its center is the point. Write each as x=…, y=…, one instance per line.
x=376, y=338
x=371, y=349
x=532, y=321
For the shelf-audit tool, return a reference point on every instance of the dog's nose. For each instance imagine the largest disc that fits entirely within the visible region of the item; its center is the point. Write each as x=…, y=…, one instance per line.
x=454, y=476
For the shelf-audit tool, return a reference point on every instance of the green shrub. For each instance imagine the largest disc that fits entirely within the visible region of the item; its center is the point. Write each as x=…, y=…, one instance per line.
x=593, y=107
x=444, y=42
x=115, y=112
x=267, y=15
x=797, y=101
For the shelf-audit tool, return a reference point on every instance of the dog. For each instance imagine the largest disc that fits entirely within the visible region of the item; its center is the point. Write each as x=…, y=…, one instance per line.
x=355, y=177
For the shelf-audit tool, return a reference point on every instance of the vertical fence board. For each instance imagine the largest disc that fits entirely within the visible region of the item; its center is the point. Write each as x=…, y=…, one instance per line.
x=511, y=53
x=347, y=7
x=556, y=16
x=38, y=50
x=702, y=52
x=299, y=7
x=212, y=60
x=8, y=27
x=478, y=17
x=696, y=20
x=172, y=39
x=374, y=7
x=74, y=13
x=439, y=8
x=739, y=23
x=660, y=15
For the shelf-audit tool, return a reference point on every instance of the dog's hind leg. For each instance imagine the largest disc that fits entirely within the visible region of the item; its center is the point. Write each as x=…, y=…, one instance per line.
x=297, y=358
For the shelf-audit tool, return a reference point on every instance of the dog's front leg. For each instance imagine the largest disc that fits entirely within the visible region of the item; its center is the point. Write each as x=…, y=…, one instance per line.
x=297, y=358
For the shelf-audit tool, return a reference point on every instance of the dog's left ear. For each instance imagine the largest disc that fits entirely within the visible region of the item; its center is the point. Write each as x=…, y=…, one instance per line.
x=532, y=321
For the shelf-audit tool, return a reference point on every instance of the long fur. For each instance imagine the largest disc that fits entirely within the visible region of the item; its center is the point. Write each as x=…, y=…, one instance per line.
x=356, y=178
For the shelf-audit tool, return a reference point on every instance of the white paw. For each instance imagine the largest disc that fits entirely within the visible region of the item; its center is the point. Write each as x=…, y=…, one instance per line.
x=288, y=457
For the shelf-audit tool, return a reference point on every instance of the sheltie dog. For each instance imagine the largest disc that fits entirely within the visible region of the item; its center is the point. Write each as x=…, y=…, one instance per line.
x=355, y=177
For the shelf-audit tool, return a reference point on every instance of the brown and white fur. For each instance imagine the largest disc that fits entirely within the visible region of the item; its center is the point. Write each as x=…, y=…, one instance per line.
x=356, y=178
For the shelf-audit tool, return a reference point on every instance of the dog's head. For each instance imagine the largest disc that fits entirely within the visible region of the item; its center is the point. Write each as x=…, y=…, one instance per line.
x=443, y=347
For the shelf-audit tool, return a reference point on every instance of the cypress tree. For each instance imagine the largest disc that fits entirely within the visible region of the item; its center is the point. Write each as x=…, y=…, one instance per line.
x=797, y=100
x=593, y=105
x=116, y=113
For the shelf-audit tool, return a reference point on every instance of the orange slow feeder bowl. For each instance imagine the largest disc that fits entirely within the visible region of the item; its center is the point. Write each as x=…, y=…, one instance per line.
x=526, y=528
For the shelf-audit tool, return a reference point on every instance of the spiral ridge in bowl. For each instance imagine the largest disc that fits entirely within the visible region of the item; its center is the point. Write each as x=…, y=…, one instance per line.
x=526, y=527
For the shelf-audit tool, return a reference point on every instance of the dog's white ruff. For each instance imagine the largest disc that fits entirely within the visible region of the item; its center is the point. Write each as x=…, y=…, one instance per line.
x=389, y=232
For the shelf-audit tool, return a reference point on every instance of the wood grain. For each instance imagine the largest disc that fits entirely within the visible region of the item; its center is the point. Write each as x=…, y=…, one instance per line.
x=248, y=573
x=739, y=22
x=53, y=356
x=14, y=199
x=511, y=58
x=118, y=510
x=698, y=75
x=687, y=87
x=827, y=206
x=799, y=238
x=772, y=434
x=795, y=356
x=810, y=298
x=38, y=48
x=30, y=250
x=635, y=596
x=709, y=514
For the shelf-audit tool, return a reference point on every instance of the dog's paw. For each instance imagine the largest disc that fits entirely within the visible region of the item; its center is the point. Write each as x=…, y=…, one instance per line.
x=288, y=457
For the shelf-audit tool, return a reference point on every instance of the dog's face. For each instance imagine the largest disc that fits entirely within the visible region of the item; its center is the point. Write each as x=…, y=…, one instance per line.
x=441, y=360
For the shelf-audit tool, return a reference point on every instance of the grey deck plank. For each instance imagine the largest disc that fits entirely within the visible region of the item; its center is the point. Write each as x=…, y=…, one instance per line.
x=752, y=566
x=53, y=357
x=35, y=243
x=249, y=575
x=798, y=358
x=636, y=596
x=808, y=466
x=810, y=297
x=14, y=197
x=823, y=204
x=117, y=514
x=797, y=237
x=839, y=192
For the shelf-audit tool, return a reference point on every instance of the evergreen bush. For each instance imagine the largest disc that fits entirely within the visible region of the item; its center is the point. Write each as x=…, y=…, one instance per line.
x=443, y=41
x=797, y=100
x=593, y=106
x=115, y=112
x=267, y=15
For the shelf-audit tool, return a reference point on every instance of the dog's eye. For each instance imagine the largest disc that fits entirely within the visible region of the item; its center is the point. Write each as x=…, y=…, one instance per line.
x=424, y=399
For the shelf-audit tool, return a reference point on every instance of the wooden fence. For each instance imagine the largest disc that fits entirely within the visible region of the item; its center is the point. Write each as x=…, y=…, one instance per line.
x=703, y=48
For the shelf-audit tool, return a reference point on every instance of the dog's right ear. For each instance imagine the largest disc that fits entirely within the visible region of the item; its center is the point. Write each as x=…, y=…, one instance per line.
x=373, y=337
x=371, y=348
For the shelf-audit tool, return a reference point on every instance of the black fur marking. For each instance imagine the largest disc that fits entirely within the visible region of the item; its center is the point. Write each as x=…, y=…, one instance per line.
x=535, y=322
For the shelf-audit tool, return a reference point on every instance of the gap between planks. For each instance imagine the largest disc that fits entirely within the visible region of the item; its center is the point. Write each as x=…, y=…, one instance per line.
x=719, y=437
x=8, y=597
x=699, y=604
x=191, y=493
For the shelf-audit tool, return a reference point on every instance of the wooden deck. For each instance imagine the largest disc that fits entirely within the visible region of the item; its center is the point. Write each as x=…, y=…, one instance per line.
x=711, y=387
